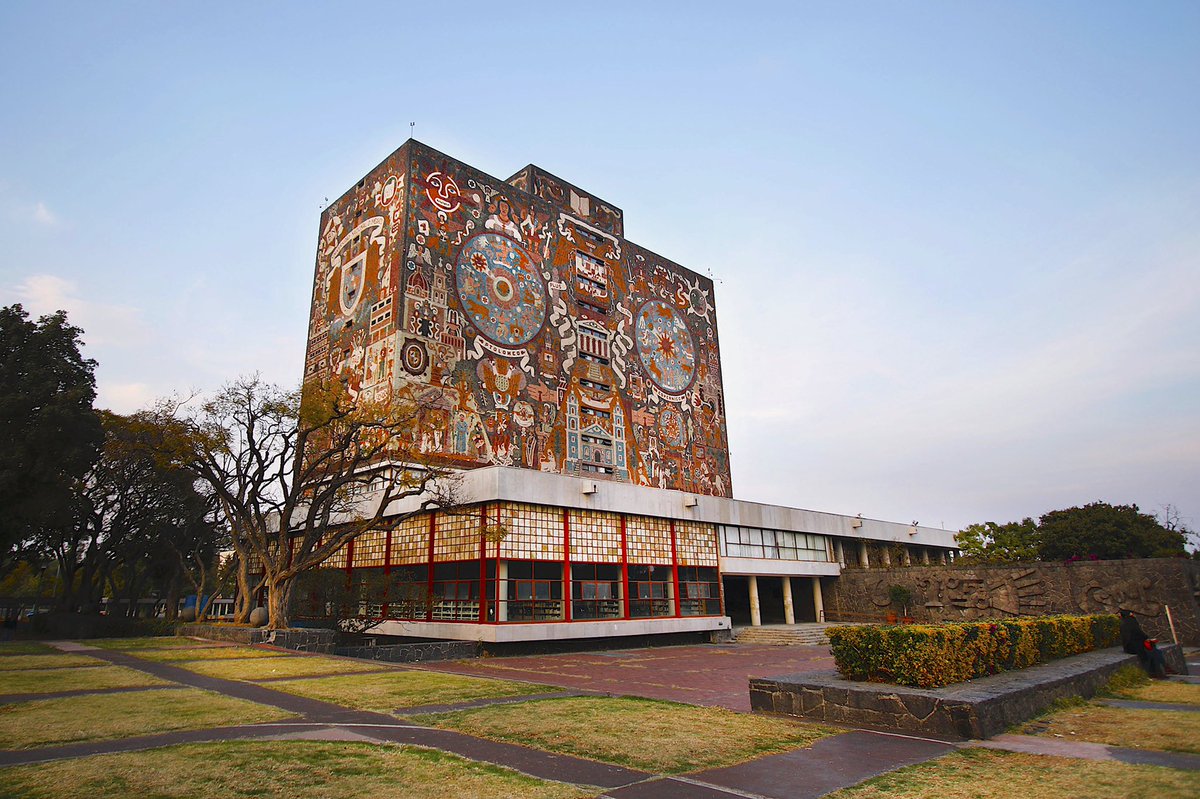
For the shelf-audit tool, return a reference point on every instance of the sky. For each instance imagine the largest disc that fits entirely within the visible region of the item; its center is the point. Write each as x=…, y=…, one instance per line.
x=956, y=245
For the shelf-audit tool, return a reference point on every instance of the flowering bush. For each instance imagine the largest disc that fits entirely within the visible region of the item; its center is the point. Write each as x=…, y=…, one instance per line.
x=931, y=655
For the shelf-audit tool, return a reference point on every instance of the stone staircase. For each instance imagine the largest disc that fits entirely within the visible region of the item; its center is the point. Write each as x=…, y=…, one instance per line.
x=783, y=635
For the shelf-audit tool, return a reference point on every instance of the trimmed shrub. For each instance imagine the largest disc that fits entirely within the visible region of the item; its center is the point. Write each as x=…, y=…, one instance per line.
x=929, y=655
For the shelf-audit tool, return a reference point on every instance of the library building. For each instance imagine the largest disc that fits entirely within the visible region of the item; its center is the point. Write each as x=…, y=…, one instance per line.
x=573, y=378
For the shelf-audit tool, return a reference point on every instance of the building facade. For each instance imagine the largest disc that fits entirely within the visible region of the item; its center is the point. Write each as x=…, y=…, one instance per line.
x=515, y=311
x=575, y=379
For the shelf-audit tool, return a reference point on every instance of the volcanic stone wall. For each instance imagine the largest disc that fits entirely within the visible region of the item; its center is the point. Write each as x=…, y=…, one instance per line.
x=967, y=592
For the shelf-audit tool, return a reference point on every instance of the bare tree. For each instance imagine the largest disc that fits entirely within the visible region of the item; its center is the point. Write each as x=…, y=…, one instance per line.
x=296, y=477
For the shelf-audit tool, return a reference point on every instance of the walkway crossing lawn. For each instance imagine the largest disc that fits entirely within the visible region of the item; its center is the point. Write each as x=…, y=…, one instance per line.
x=25, y=648
x=50, y=681
x=59, y=661
x=388, y=691
x=258, y=668
x=663, y=737
x=208, y=653
x=152, y=642
x=45, y=722
x=992, y=774
x=1171, y=731
x=278, y=769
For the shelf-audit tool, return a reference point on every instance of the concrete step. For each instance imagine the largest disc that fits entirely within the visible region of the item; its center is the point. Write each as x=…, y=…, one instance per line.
x=783, y=635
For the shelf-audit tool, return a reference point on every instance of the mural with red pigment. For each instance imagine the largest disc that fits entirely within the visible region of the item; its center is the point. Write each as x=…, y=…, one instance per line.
x=531, y=332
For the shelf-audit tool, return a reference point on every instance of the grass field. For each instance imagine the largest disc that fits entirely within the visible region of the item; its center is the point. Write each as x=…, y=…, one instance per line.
x=152, y=642
x=391, y=690
x=277, y=770
x=207, y=653
x=657, y=736
x=266, y=668
x=1172, y=731
x=49, y=681
x=989, y=774
x=25, y=648
x=57, y=661
x=85, y=718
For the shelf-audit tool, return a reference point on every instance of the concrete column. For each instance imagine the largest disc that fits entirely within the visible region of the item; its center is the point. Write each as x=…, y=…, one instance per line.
x=908, y=556
x=502, y=600
x=839, y=552
x=924, y=557
x=789, y=610
x=887, y=556
x=818, y=601
x=942, y=557
x=863, y=557
x=755, y=613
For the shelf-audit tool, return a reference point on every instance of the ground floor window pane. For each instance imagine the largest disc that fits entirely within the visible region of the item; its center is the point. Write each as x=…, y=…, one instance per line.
x=595, y=591
x=651, y=591
x=455, y=595
x=533, y=591
x=699, y=591
x=408, y=594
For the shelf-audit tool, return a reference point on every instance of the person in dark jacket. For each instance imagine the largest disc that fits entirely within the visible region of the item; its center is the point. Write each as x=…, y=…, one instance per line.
x=1135, y=642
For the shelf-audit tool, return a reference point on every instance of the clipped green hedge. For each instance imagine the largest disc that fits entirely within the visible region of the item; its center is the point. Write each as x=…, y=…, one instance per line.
x=931, y=655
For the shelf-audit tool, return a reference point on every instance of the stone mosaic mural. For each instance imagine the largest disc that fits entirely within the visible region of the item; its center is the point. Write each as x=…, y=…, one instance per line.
x=531, y=332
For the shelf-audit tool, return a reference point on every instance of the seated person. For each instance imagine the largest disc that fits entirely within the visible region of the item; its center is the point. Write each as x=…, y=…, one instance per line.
x=1135, y=642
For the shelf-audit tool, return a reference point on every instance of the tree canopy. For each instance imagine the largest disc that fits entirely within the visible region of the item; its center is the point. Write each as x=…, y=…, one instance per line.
x=49, y=433
x=1097, y=530
x=296, y=477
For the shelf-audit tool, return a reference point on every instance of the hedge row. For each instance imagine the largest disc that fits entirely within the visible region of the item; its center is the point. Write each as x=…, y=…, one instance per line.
x=929, y=656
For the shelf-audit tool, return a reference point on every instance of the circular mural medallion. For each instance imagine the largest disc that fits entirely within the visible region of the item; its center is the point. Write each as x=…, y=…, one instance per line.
x=414, y=357
x=665, y=347
x=500, y=289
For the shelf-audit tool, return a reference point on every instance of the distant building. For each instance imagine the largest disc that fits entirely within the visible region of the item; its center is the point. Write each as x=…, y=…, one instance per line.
x=576, y=377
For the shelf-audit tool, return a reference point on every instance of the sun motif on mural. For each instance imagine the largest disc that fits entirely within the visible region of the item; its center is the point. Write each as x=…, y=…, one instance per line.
x=500, y=289
x=665, y=347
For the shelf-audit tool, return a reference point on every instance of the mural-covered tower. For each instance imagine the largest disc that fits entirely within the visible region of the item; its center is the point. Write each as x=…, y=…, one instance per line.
x=532, y=332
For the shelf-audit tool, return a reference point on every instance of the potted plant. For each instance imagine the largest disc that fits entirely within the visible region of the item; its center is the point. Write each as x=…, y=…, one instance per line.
x=899, y=595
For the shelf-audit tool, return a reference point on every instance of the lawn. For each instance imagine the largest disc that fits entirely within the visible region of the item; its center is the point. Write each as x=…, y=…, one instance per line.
x=25, y=648
x=49, y=681
x=151, y=642
x=260, y=668
x=59, y=661
x=1175, y=731
x=84, y=718
x=664, y=737
x=209, y=653
x=989, y=774
x=385, y=692
x=1176, y=693
x=277, y=769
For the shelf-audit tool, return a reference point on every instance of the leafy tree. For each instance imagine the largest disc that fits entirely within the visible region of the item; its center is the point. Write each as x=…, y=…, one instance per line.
x=49, y=433
x=990, y=542
x=131, y=511
x=1107, y=532
x=296, y=479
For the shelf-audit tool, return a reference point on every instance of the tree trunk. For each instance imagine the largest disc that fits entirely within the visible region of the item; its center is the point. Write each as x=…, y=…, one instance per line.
x=171, y=612
x=279, y=602
x=244, y=602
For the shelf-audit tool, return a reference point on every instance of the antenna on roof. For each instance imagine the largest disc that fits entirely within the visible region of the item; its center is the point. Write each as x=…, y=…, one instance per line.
x=412, y=129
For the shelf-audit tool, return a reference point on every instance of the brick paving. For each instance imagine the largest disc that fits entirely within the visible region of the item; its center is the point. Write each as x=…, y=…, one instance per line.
x=710, y=676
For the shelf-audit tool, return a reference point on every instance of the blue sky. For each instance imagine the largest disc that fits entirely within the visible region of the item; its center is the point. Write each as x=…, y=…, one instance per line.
x=957, y=245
